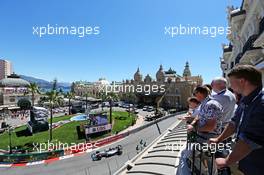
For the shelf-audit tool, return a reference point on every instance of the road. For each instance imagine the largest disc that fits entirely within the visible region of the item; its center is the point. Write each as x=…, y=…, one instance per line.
x=83, y=165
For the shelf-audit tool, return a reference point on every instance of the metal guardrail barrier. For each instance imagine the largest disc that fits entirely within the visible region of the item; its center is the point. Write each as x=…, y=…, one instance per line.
x=30, y=157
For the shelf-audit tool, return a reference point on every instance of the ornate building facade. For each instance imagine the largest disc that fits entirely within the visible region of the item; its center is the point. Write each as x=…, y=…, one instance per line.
x=12, y=89
x=246, y=37
x=178, y=88
x=91, y=88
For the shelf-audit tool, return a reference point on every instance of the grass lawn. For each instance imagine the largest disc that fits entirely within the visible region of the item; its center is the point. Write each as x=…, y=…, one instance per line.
x=65, y=117
x=122, y=120
x=65, y=134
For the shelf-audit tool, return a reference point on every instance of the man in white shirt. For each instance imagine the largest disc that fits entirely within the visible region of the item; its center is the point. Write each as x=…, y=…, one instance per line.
x=225, y=97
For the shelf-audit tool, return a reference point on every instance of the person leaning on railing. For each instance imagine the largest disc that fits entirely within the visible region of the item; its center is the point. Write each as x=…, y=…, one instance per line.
x=210, y=114
x=247, y=124
x=225, y=97
x=193, y=110
x=208, y=122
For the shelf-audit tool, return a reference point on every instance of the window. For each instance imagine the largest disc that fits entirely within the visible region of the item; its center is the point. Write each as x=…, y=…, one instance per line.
x=12, y=99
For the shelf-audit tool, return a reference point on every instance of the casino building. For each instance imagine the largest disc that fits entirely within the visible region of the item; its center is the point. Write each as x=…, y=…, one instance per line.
x=178, y=87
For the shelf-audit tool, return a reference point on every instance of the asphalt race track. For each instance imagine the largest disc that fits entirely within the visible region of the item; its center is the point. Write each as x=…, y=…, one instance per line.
x=83, y=164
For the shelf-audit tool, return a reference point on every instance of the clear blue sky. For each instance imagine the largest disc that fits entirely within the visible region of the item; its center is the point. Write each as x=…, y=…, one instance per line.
x=131, y=35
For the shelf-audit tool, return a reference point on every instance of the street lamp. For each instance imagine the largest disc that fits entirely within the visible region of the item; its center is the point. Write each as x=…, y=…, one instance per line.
x=110, y=103
x=10, y=143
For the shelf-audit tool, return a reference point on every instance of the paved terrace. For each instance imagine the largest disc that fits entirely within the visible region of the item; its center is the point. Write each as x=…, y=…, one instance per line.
x=162, y=157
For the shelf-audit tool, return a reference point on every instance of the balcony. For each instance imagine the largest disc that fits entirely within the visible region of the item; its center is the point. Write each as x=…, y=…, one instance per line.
x=237, y=12
x=249, y=51
x=260, y=40
x=162, y=156
x=228, y=48
x=250, y=55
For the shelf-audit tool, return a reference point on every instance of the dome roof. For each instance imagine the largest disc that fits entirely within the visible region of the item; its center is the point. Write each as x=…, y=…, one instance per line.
x=13, y=81
x=102, y=81
x=148, y=78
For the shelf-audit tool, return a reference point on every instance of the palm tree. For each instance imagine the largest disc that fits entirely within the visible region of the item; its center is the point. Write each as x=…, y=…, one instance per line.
x=111, y=97
x=55, y=84
x=33, y=89
x=69, y=95
x=103, y=97
x=54, y=100
x=86, y=95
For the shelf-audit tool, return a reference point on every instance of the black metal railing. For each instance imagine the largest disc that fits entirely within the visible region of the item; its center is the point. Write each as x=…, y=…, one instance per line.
x=249, y=43
x=192, y=137
x=232, y=65
x=239, y=56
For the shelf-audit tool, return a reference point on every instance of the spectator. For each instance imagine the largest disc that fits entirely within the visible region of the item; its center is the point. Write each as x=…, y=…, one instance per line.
x=208, y=122
x=247, y=124
x=225, y=97
x=210, y=114
x=193, y=109
x=209, y=87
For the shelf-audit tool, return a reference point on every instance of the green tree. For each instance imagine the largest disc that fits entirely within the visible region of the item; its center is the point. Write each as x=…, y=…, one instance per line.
x=73, y=85
x=61, y=91
x=55, y=84
x=86, y=95
x=69, y=95
x=33, y=89
x=24, y=104
x=54, y=99
x=111, y=97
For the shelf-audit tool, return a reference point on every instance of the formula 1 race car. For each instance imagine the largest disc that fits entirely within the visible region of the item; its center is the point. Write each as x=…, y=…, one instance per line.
x=107, y=153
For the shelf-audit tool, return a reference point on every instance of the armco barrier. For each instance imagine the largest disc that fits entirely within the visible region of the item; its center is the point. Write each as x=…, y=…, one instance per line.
x=81, y=147
x=109, y=140
x=31, y=157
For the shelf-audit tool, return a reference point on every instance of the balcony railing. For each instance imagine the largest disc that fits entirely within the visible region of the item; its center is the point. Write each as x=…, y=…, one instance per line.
x=261, y=26
x=240, y=12
x=249, y=44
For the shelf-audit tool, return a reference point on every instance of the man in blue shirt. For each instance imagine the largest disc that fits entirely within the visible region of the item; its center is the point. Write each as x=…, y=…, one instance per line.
x=247, y=124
